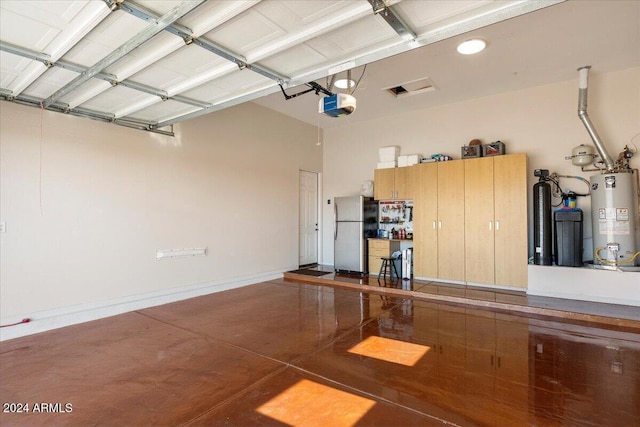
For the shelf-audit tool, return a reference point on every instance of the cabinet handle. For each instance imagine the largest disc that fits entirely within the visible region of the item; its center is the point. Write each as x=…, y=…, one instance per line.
x=490, y=225
x=434, y=224
x=497, y=225
x=440, y=225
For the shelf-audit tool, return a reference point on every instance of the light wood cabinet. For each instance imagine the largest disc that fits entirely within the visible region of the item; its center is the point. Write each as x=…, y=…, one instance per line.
x=439, y=221
x=510, y=204
x=394, y=183
x=384, y=184
x=451, y=220
x=378, y=249
x=496, y=220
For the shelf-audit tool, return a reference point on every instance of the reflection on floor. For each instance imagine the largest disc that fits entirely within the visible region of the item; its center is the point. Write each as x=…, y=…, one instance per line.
x=291, y=353
x=510, y=301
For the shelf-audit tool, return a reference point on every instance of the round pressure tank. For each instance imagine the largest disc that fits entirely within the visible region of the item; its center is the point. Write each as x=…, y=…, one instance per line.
x=542, y=239
x=614, y=216
x=582, y=155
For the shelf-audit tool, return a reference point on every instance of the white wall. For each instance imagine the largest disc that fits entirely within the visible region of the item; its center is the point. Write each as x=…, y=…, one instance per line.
x=87, y=204
x=540, y=121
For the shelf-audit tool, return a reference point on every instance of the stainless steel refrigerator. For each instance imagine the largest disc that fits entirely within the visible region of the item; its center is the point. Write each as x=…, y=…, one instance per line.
x=356, y=219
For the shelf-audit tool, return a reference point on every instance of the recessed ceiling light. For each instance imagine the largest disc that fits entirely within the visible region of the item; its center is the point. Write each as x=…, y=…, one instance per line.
x=469, y=47
x=344, y=83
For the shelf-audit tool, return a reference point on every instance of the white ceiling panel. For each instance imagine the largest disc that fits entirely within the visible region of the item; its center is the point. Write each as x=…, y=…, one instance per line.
x=292, y=61
x=247, y=31
x=220, y=89
x=11, y=66
x=164, y=111
x=213, y=14
x=421, y=15
x=366, y=32
x=158, y=62
x=49, y=82
x=116, y=99
x=189, y=65
x=146, y=55
x=88, y=90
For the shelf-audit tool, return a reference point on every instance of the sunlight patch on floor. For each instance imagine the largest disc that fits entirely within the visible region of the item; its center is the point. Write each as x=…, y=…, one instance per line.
x=403, y=353
x=308, y=404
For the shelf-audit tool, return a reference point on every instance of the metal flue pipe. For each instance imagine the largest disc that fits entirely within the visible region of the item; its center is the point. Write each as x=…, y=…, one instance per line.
x=583, y=74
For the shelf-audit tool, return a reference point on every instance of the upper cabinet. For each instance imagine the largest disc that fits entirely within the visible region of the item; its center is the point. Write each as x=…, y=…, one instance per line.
x=394, y=183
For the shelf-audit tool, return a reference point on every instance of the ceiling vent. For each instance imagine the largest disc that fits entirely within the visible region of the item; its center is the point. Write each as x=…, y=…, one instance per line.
x=413, y=87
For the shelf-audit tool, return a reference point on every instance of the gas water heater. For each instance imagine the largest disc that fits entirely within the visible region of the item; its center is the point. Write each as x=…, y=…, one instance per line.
x=615, y=213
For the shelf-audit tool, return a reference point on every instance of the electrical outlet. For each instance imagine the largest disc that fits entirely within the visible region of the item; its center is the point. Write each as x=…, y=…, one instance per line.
x=3, y=227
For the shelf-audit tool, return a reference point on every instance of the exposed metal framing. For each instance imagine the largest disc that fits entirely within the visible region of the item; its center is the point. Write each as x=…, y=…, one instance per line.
x=111, y=78
x=167, y=22
x=393, y=19
x=143, y=36
x=187, y=35
x=32, y=101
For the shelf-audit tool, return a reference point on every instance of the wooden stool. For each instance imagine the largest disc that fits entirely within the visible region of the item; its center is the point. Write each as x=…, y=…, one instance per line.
x=388, y=263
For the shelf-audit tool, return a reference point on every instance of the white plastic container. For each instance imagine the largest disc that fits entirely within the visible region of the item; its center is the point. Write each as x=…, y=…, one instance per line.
x=403, y=161
x=386, y=165
x=388, y=154
x=413, y=159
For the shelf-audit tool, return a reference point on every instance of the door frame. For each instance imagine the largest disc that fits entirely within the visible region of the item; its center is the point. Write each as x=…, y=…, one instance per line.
x=318, y=213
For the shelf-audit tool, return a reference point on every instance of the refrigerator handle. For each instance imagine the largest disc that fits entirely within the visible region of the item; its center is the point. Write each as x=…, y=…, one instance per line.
x=335, y=221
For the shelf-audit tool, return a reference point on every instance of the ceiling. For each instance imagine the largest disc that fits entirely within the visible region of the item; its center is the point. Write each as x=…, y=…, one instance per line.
x=151, y=64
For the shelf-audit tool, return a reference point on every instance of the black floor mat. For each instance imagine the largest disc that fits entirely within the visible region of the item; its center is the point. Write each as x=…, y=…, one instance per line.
x=310, y=272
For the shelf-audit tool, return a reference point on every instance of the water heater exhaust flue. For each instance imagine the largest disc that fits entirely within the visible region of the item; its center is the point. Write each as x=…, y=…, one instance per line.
x=582, y=113
x=614, y=199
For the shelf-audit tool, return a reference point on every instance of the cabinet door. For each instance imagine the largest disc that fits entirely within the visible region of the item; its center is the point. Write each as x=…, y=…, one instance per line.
x=510, y=186
x=384, y=184
x=479, y=220
x=405, y=179
x=451, y=220
x=425, y=232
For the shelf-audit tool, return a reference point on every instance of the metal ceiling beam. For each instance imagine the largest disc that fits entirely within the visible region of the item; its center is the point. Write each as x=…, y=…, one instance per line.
x=158, y=26
x=111, y=78
x=393, y=19
x=187, y=35
x=33, y=101
x=26, y=53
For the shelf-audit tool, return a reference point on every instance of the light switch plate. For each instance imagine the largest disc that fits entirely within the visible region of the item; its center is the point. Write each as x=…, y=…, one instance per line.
x=3, y=227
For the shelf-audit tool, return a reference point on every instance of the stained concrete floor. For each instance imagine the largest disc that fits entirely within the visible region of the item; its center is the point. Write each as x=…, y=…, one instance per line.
x=289, y=353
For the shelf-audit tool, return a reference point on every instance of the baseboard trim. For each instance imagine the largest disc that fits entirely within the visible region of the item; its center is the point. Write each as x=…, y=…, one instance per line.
x=47, y=320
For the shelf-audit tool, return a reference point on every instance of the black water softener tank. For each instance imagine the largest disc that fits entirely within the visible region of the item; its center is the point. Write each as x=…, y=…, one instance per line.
x=568, y=231
x=542, y=241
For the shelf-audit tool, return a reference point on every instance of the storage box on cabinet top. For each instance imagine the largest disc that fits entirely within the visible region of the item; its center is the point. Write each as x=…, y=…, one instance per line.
x=388, y=154
x=386, y=165
x=471, y=151
x=493, y=149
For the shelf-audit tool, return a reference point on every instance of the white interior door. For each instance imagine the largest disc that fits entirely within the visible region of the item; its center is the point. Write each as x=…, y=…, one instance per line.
x=308, y=246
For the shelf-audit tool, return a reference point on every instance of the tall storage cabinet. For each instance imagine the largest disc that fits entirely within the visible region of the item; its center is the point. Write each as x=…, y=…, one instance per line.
x=439, y=223
x=496, y=220
x=425, y=231
x=510, y=204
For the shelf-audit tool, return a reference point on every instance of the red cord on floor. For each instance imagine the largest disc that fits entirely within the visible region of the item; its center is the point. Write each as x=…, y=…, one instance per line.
x=27, y=320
